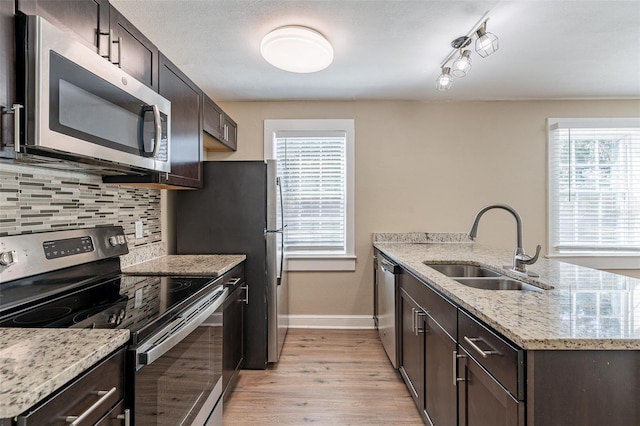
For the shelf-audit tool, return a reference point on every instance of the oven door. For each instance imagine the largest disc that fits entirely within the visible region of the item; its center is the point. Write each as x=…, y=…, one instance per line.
x=178, y=377
x=81, y=105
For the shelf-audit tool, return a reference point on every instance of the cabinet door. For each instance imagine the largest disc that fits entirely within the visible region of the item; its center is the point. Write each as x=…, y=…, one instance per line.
x=221, y=131
x=233, y=350
x=230, y=133
x=440, y=375
x=482, y=401
x=186, y=133
x=87, y=18
x=7, y=71
x=411, y=365
x=213, y=118
x=132, y=51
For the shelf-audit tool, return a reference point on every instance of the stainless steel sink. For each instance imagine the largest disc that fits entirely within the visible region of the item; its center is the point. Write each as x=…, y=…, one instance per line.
x=497, y=283
x=462, y=270
x=477, y=276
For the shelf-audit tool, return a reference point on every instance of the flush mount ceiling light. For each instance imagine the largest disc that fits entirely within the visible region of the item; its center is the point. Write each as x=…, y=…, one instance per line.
x=486, y=44
x=297, y=49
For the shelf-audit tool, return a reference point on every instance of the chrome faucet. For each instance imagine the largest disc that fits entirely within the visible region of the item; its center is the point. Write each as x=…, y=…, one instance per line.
x=520, y=259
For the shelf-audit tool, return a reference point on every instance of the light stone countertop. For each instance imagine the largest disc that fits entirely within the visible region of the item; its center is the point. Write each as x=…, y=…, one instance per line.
x=187, y=265
x=36, y=362
x=587, y=309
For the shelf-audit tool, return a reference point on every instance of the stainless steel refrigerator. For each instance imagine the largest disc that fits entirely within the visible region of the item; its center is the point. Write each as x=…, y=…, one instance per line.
x=239, y=211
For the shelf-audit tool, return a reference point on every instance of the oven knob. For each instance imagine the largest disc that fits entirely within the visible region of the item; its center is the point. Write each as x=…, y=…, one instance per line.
x=8, y=258
x=112, y=319
x=113, y=241
x=121, y=240
x=121, y=314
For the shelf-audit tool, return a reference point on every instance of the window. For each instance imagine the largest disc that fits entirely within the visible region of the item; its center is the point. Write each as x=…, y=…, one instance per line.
x=315, y=164
x=594, y=191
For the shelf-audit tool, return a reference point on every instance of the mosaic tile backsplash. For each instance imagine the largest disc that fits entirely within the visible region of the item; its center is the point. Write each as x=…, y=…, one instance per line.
x=36, y=199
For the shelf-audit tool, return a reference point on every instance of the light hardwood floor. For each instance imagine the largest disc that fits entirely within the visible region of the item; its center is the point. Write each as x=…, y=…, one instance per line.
x=326, y=377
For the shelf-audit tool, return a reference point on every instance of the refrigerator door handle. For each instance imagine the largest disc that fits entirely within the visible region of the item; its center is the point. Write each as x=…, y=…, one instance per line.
x=281, y=199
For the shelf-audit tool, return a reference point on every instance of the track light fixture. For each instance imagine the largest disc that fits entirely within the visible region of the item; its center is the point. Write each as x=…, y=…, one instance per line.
x=462, y=65
x=486, y=44
x=444, y=80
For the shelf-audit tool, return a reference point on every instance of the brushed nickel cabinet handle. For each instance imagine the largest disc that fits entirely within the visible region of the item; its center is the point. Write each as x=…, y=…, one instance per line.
x=246, y=294
x=104, y=395
x=483, y=354
x=15, y=110
x=419, y=315
x=126, y=416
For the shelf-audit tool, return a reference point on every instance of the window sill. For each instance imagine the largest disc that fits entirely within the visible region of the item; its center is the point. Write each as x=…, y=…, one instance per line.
x=600, y=261
x=321, y=263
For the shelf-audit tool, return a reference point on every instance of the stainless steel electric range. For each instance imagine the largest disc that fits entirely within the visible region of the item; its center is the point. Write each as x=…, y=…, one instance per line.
x=69, y=279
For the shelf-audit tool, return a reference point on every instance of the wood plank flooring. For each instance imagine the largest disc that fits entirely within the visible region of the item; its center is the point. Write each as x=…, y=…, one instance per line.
x=326, y=377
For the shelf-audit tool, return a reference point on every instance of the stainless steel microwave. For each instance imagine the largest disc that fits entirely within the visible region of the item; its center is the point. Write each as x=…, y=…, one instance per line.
x=79, y=107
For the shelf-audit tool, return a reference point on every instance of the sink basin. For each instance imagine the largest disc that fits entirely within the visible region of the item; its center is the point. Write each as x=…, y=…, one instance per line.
x=462, y=270
x=497, y=283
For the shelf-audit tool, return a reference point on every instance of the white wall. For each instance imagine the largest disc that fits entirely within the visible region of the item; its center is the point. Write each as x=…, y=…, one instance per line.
x=426, y=167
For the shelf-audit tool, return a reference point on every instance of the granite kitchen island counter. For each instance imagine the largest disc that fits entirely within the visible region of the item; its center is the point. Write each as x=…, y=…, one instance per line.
x=193, y=265
x=583, y=309
x=36, y=362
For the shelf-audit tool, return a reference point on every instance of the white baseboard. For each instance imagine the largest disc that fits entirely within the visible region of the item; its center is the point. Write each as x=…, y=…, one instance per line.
x=331, y=321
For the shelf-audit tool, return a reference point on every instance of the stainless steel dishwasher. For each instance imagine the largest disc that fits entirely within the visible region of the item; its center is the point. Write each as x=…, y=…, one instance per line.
x=385, y=305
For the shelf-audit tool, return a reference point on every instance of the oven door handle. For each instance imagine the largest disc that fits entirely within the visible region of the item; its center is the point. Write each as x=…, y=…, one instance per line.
x=150, y=352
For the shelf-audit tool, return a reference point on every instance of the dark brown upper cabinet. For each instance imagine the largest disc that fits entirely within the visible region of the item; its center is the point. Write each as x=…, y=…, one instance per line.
x=89, y=19
x=132, y=51
x=221, y=132
x=7, y=73
x=100, y=25
x=186, y=153
x=186, y=129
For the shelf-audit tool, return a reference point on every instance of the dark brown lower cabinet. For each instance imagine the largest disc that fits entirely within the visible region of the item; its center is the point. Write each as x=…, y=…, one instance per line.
x=583, y=388
x=427, y=356
x=411, y=365
x=440, y=399
x=98, y=393
x=233, y=324
x=482, y=401
x=497, y=383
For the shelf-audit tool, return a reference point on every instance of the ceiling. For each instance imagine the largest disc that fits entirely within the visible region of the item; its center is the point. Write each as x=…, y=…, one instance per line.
x=392, y=49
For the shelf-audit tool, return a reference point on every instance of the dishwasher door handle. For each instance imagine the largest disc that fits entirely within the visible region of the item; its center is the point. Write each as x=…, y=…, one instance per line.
x=387, y=266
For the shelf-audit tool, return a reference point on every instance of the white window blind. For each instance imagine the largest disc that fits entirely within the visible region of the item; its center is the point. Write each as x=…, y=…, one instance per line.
x=594, y=186
x=313, y=168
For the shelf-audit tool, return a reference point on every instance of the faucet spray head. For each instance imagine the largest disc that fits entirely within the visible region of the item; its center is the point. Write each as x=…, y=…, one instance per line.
x=473, y=232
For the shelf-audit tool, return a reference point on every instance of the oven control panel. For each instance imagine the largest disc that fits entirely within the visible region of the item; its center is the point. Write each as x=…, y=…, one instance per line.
x=30, y=254
x=68, y=247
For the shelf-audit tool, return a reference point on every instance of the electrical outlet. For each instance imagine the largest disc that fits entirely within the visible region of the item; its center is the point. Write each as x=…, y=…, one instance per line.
x=138, y=229
x=137, y=301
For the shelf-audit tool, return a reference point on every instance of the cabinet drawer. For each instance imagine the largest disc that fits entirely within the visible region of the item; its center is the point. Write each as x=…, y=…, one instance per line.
x=81, y=394
x=440, y=309
x=499, y=357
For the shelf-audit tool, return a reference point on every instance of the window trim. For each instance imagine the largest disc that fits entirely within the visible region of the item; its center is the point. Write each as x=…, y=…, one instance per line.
x=321, y=262
x=590, y=259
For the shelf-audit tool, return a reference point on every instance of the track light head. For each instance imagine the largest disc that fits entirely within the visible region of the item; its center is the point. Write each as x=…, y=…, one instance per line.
x=486, y=43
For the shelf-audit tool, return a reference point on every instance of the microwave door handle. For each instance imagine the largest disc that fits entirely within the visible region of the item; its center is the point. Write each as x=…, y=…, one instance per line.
x=158, y=125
